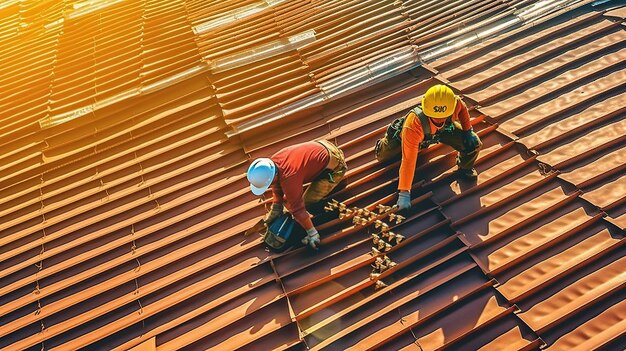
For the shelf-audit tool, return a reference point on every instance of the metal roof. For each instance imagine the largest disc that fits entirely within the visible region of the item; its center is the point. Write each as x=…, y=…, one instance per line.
x=128, y=127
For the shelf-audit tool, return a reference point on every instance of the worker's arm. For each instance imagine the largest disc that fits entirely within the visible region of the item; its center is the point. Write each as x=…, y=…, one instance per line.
x=295, y=203
x=462, y=114
x=277, y=204
x=277, y=194
x=412, y=136
x=291, y=189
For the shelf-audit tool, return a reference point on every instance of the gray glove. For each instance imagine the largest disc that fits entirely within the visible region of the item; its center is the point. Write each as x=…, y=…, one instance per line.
x=404, y=200
x=275, y=212
x=312, y=238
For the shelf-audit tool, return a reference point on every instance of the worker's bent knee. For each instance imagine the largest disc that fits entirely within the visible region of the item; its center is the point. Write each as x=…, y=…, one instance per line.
x=386, y=150
x=318, y=190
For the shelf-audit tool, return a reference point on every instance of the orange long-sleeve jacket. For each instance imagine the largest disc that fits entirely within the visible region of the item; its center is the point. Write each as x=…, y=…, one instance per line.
x=413, y=134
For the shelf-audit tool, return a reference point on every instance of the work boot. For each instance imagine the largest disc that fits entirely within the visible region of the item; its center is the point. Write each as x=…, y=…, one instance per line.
x=467, y=173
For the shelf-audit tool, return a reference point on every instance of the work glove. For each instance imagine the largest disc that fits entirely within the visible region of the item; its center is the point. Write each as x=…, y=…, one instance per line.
x=312, y=238
x=470, y=140
x=275, y=212
x=404, y=200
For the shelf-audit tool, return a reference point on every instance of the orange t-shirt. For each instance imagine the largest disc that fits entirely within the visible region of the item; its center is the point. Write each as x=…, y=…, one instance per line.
x=413, y=135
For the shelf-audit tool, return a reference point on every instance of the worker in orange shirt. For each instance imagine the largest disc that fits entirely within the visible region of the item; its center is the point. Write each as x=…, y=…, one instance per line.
x=441, y=117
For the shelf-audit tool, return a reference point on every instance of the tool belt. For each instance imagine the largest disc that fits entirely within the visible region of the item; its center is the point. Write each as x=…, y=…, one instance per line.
x=336, y=162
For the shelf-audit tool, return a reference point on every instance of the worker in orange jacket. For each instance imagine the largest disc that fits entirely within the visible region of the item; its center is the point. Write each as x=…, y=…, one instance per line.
x=441, y=117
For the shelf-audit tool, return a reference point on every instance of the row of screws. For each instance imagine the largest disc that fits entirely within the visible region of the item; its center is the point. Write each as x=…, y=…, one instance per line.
x=363, y=217
x=377, y=239
x=383, y=263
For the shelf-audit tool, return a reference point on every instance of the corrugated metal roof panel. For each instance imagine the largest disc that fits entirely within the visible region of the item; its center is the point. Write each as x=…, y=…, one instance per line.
x=122, y=222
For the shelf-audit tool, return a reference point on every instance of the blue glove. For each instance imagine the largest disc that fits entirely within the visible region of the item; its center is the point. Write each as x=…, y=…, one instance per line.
x=404, y=200
x=470, y=140
x=312, y=238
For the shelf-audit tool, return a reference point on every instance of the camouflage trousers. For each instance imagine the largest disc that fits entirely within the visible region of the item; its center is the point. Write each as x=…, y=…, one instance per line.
x=388, y=148
x=329, y=178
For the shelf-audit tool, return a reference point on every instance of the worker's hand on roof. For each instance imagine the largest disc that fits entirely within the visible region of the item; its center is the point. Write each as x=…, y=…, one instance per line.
x=275, y=212
x=404, y=200
x=312, y=238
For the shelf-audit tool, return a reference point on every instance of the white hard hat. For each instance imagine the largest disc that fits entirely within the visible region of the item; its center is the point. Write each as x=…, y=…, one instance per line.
x=260, y=175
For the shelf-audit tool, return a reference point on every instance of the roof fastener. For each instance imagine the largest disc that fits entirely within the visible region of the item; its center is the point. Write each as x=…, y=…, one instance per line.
x=375, y=239
x=399, y=238
x=380, y=285
x=381, y=244
x=378, y=263
x=380, y=224
x=382, y=208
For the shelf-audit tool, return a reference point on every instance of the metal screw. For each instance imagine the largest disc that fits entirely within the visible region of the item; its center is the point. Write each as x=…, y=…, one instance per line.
x=380, y=285
x=386, y=259
x=375, y=239
x=382, y=208
x=381, y=244
x=384, y=227
x=378, y=263
x=399, y=219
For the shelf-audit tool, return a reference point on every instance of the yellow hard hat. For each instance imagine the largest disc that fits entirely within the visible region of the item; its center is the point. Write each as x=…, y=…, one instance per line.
x=439, y=101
